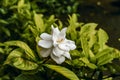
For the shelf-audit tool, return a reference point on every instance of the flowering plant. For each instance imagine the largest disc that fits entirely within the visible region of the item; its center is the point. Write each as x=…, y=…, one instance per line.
x=83, y=45
x=56, y=45
x=27, y=38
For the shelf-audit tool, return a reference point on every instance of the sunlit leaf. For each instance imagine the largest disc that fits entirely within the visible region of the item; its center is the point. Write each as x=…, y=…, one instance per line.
x=24, y=46
x=87, y=62
x=91, y=65
x=84, y=59
x=92, y=56
x=77, y=63
x=64, y=71
x=20, y=3
x=116, y=53
x=72, y=27
x=39, y=22
x=18, y=59
x=103, y=37
x=88, y=28
x=105, y=59
x=75, y=53
x=85, y=46
x=104, y=52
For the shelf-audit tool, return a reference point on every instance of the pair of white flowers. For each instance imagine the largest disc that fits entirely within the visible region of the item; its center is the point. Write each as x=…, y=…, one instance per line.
x=56, y=45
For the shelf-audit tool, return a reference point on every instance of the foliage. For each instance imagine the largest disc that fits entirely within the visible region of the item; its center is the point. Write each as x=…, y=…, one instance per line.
x=21, y=26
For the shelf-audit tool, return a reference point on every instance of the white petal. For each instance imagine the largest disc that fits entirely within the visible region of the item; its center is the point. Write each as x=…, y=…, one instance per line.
x=64, y=46
x=62, y=34
x=67, y=55
x=55, y=31
x=58, y=60
x=45, y=52
x=45, y=43
x=57, y=52
x=46, y=36
x=71, y=44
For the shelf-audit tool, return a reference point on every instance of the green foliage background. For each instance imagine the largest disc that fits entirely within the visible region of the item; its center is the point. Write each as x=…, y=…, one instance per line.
x=22, y=22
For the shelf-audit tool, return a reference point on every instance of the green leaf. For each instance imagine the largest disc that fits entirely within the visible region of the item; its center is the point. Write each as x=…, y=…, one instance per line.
x=104, y=52
x=6, y=31
x=77, y=63
x=88, y=28
x=39, y=22
x=22, y=45
x=64, y=71
x=84, y=59
x=104, y=60
x=28, y=77
x=3, y=21
x=85, y=46
x=87, y=62
x=1, y=50
x=20, y=3
x=105, y=56
x=103, y=37
x=72, y=27
x=92, y=56
x=18, y=59
x=88, y=38
x=75, y=53
x=116, y=53
x=91, y=65
x=88, y=32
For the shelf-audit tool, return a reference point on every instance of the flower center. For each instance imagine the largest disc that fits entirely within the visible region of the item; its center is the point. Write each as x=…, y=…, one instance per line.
x=60, y=40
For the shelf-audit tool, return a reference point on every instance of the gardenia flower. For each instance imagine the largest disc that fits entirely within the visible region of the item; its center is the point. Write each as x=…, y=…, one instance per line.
x=56, y=45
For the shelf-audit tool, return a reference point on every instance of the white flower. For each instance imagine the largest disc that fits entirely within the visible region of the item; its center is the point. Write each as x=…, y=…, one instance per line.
x=56, y=45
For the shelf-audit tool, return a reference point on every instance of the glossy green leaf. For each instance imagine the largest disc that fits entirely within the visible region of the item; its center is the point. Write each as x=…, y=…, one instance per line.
x=71, y=30
x=39, y=22
x=64, y=71
x=105, y=59
x=75, y=53
x=87, y=62
x=18, y=59
x=88, y=31
x=20, y=3
x=77, y=63
x=88, y=38
x=103, y=37
x=92, y=56
x=88, y=28
x=85, y=46
x=105, y=56
x=91, y=65
x=116, y=53
x=84, y=59
x=104, y=52
x=22, y=45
